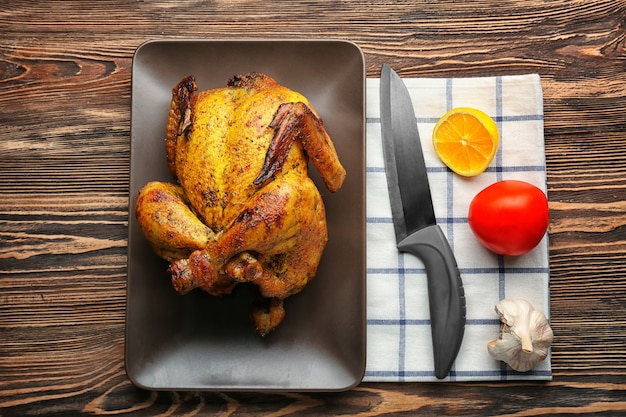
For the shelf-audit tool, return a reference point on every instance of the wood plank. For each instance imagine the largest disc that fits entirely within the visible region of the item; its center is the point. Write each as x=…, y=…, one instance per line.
x=65, y=85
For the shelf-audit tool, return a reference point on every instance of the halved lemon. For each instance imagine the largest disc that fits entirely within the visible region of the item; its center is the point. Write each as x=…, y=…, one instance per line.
x=466, y=140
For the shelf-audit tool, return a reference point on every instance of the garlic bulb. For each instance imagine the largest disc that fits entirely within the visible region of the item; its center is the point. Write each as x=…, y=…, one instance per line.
x=525, y=335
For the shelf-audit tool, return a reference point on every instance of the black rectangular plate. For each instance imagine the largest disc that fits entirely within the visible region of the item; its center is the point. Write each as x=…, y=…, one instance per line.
x=200, y=342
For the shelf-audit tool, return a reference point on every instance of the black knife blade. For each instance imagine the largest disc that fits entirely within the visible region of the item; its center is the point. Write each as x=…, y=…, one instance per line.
x=414, y=219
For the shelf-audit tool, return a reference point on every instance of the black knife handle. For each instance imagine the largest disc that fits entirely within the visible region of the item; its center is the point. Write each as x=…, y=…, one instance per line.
x=445, y=293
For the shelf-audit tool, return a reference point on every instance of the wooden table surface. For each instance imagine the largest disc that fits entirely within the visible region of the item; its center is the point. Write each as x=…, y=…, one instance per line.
x=65, y=93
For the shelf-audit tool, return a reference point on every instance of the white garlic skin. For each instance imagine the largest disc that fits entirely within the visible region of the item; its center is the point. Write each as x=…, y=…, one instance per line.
x=525, y=335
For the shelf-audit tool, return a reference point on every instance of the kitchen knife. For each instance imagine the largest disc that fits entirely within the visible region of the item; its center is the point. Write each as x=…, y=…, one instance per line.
x=414, y=219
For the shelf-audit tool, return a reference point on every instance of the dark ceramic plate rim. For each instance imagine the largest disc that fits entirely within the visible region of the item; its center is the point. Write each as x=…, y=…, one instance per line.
x=341, y=352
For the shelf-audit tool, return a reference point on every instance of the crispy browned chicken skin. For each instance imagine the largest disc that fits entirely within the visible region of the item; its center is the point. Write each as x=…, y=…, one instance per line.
x=245, y=209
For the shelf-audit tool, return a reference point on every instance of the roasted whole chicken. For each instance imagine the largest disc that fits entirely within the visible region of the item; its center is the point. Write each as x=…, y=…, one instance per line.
x=244, y=209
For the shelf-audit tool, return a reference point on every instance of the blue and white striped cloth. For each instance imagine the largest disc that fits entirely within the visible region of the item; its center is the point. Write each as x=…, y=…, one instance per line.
x=398, y=326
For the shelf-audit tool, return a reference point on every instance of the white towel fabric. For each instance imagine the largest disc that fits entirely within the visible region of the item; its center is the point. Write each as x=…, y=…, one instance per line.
x=398, y=326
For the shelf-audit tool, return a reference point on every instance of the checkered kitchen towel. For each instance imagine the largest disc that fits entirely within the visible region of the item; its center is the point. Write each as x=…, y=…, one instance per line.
x=399, y=341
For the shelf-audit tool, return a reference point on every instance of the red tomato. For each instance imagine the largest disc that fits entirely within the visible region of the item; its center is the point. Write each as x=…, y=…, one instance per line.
x=509, y=217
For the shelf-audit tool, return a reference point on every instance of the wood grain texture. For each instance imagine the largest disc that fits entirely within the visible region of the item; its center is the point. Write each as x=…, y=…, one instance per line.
x=65, y=74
